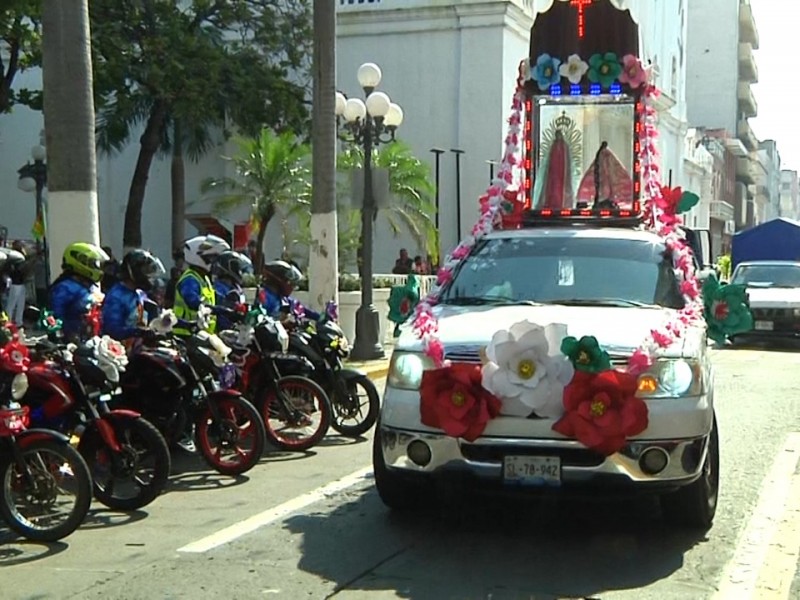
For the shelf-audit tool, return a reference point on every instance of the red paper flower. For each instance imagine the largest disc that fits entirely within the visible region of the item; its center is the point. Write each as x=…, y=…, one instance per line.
x=602, y=410
x=669, y=200
x=14, y=357
x=453, y=399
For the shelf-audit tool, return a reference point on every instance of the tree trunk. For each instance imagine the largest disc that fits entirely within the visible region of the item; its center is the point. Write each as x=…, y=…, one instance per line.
x=323, y=267
x=72, y=213
x=149, y=142
x=178, y=181
x=262, y=232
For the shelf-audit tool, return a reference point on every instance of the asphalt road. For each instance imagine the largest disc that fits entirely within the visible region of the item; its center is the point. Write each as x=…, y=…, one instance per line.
x=311, y=526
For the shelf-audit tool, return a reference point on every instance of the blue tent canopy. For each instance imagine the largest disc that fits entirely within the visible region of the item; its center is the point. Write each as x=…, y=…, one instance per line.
x=778, y=239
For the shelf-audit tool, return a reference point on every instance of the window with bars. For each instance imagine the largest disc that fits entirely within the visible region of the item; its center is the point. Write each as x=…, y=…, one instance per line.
x=353, y=2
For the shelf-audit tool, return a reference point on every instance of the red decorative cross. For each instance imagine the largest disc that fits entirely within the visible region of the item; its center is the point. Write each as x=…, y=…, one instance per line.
x=580, y=5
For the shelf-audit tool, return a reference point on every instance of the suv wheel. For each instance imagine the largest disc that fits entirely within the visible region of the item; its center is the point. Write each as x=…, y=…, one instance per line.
x=396, y=492
x=695, y=505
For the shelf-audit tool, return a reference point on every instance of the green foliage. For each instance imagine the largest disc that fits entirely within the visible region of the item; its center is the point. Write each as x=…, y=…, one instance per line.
x=688, y=201
x=21, y=43
x=272, y=177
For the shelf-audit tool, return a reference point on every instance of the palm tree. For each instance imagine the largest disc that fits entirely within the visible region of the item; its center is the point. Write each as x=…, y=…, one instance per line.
x=412, y=209
x=272, y=177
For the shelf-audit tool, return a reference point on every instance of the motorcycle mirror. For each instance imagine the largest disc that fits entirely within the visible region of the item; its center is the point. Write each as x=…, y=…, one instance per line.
x=32, y=314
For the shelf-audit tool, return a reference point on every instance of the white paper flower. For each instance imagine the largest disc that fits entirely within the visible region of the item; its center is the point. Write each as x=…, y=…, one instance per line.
x=574, y=69
x=527, y=371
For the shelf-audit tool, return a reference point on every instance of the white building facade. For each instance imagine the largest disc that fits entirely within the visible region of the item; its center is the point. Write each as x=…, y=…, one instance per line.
x=451, y=65
x=790, y=209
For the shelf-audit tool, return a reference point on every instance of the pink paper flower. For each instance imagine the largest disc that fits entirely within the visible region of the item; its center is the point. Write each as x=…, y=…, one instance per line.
x=664, y=340
x=435, y=350
x=444, y=276
x=639, y=362
x=632, y=72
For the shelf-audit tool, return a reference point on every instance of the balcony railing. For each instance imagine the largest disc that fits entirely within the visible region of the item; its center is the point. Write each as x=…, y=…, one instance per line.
x=744, y=170
x=722, y=211
x=748, y=70
x=745, y=133
x=747, y=99
x=748, y=32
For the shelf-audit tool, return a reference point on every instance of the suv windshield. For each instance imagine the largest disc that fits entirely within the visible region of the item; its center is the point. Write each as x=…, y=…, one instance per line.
x=776, y=276
x=573, y=270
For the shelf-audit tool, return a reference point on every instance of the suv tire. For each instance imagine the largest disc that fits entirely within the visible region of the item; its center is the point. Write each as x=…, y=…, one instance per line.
x=695, y=505
x=395, y=491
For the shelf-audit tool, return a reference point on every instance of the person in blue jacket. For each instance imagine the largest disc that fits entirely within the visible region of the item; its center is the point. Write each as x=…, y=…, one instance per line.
x=72, y=296
x=275, y=296
x=123, y=306
x=229, y=269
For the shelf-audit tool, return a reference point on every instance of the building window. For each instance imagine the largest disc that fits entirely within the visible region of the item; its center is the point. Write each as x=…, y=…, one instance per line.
x=674, y=77
x=350, y=2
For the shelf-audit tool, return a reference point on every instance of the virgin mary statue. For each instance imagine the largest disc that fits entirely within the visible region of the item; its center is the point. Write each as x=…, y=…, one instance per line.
x=553, y=187
x=606, y=182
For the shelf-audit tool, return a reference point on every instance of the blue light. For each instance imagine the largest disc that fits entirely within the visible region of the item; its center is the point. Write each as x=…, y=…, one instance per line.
x=616, y=88
x=575, y=90
x=595, y=89
x=555, y=89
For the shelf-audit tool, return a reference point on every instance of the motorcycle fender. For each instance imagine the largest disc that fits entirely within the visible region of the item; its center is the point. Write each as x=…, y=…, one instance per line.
x=124, y=413
x=29, y=436
x=350, y=374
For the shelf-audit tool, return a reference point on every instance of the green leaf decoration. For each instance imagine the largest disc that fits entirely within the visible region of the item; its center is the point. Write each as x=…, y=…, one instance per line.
x=403, y=299
x=726, y=309
x=687, y=202
x=586, y=354
x=48, y=322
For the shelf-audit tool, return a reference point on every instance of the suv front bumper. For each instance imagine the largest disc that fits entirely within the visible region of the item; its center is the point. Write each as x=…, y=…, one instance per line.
x=483, y=459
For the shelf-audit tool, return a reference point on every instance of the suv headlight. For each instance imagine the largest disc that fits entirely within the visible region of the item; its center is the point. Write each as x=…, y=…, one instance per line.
x=406, y=369
x=672, y=378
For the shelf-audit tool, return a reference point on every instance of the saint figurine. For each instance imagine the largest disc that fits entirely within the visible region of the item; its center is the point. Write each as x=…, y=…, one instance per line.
x=607, y=183
x=554, y=181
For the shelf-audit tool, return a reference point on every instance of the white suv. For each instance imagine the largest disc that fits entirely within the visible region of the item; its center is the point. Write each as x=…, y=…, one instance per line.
x=612, y=283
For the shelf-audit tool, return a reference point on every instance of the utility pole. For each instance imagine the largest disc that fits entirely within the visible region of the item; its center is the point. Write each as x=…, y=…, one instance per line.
x=323, y=268
x=437, y=152
x=72, y=213
x=458, y=152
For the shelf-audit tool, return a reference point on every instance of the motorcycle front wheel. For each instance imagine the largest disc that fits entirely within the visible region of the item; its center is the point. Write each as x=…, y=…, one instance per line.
x=299, y=420
x=48, y=497
x=355, y=405
x=233, y=443
x=134, y=476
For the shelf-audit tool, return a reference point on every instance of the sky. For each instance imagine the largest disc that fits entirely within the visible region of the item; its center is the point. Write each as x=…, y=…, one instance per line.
x=778, y=90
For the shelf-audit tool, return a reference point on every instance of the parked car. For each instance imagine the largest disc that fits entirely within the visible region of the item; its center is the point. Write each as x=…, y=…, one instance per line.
x=614, y=283
x=773, y=287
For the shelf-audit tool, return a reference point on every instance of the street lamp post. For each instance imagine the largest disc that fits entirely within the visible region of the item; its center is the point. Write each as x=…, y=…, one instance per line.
x=33, y=178
x=367, y=123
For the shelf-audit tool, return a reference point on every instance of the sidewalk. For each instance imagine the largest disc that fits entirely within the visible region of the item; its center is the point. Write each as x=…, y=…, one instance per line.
x=375, y=369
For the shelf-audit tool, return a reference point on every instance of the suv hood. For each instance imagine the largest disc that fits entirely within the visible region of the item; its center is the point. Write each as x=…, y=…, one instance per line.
x=619, y=330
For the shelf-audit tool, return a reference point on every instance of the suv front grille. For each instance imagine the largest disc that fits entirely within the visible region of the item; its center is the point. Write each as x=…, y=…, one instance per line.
x=570, y=457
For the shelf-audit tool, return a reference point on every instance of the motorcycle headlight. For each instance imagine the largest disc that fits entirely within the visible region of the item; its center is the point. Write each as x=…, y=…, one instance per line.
x=796, y=312
x=19, y=386
x=406, y=369
x=673, y=378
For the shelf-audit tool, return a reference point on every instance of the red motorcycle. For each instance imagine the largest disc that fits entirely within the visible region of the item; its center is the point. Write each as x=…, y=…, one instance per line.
x=45, y=485
x=70, y=388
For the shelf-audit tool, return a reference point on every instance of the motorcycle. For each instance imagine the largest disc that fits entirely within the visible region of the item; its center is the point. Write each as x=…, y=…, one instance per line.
x=37, y=466
x=354, y=398
x=296, y=411
x=70, y=388
x=175, y=383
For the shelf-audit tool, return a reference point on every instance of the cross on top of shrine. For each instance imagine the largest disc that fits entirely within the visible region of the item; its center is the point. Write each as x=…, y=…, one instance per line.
x=581, y=5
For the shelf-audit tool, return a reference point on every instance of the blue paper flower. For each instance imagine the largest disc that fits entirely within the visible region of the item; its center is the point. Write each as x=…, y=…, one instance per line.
x=546, y=71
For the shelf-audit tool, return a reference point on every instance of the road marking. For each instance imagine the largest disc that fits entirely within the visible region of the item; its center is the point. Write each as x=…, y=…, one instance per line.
x=276, y=513
x=741, y=575
x=775, y=581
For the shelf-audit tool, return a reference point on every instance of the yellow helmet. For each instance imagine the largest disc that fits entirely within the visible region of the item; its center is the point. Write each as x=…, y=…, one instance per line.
x=85, y=259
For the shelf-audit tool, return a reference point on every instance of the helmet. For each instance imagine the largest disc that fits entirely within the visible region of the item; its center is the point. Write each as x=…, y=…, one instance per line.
x=200, y=251
x=142, y=268
x=233, y=265
x=283, y=275
x=13, y=258
x=85, y=259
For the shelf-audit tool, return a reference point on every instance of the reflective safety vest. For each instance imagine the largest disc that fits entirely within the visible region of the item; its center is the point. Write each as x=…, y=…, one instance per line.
x=207, y=296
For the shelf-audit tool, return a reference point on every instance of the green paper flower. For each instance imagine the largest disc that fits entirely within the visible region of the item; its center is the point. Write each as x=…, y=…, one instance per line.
x=403, y=299
x=726, y=309
x=48, y=322
x=687, y=202
x=586, y=354
x=604, y=69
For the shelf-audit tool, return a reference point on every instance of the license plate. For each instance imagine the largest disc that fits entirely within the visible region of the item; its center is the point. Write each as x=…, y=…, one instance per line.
x=532, y=470
x=764, y=325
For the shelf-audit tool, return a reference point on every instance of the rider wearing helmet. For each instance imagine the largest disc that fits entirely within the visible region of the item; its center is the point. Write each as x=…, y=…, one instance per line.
x=280, y=279
x=194, y=286
x=76, y=290
x=123, y=307
x=229, y=270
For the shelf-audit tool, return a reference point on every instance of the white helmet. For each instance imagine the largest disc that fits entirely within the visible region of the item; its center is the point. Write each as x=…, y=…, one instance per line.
x=201, y=251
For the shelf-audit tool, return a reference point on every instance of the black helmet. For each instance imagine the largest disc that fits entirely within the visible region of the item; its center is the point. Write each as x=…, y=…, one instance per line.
x=285, y=276
x=142, y=268
x=232, y=265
